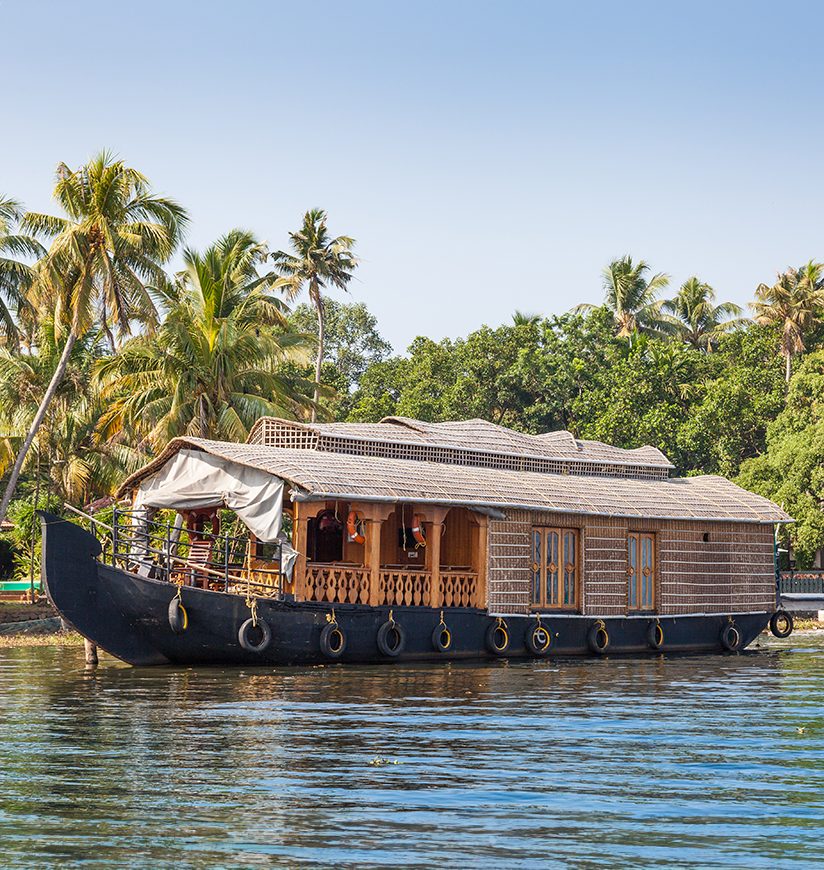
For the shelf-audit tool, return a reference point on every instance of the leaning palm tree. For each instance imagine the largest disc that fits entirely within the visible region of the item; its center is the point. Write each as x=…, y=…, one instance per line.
x=633, y=298
x=79, y=464
x=316, y=261
x=214, y=365
x=15, y=272
x=700, y=322
x=795, y=304
x=111, y=241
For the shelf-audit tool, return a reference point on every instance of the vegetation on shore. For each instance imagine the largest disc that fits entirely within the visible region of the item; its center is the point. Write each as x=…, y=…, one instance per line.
x=105, y=355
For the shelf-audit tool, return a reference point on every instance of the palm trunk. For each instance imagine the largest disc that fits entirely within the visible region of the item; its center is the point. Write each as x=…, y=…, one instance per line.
x=57, y=377
x=788, y=367
x=321, y=337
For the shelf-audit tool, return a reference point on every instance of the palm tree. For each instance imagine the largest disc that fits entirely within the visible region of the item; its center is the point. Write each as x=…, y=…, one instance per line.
x=700, y=321
x=15, y=274
x=317, y=260
x=795, y=303
x=212, y=367
x=113, y=239
x=78, y=463
x=633, y=298
x=521, y=318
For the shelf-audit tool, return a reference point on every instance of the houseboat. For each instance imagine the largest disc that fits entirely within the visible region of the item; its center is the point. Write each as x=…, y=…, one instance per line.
x=399, y=540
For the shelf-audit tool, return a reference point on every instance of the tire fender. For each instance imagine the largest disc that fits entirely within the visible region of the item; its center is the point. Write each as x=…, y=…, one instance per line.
x=598, y=638
x=497, y=637
x=781, y=624
x=332, y=641
x=538, y=639
x=178, y=616
x=655, y=635
x=245, y=634
x=388, y=632
x=730, y=637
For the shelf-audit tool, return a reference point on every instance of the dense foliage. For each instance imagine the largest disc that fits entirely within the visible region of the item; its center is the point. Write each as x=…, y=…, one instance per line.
x=104, y=355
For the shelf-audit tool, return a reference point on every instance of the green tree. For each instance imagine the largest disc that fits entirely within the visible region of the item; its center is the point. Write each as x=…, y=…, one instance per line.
x=15, y=272
x=212, y=368
x=352, y=343
x=68, y=451
x=794, y=303
x=316, y=261
x=700, y=322
x=115, y=236
x=632, y=297
x=791, y=471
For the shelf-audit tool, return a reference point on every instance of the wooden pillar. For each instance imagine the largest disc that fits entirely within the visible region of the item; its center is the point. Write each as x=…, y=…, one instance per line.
x=373, y=516
x=300, y=521
x=434, y=545
x=483, y=558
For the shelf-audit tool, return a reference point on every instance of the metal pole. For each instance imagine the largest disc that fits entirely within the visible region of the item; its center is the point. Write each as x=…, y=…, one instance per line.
x=225, y=563
x=114, y=537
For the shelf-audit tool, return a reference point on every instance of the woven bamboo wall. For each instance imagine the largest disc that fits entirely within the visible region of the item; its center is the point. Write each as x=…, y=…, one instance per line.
x=731, y=571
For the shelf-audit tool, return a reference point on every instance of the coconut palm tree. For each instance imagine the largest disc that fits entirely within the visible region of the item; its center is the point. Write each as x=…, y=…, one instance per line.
x=212, y=367
x=77, y=462
x=700, y=321
x=522, y=318
x=633, y=298
x=795, y=304
x=15, y=273
x=111, y=241
x=316, y=261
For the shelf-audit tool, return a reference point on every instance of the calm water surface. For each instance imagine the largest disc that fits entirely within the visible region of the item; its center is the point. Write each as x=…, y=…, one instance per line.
x=705, y=761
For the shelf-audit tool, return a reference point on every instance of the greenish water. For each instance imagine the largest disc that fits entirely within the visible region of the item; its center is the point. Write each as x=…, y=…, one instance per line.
x=652, y=762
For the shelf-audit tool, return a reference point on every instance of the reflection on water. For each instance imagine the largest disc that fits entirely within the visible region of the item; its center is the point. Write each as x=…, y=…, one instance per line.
x=711, y=761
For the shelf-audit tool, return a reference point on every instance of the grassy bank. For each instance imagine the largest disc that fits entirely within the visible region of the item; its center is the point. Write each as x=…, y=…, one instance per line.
x=60, y=638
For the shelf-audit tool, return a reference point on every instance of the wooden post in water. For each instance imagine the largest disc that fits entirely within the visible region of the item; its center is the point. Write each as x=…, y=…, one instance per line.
x=91, y=652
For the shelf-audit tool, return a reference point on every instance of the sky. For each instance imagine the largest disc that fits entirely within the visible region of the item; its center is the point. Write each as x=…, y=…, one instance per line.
x=486, y=156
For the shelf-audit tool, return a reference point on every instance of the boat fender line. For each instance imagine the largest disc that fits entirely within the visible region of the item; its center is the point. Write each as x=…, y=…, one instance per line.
x=332, y=638
x=655, y=634
x=391, y=637
x=730, y=637
x=781, y=624
x=354, y=528
x=538, y=638
x=245, y=630
x=442, y=636
x=497, y=637
x=598, y=637
x=178, y=616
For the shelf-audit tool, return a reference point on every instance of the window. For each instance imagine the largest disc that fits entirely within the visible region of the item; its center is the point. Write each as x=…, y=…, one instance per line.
x=554, y=567
x=640, y=571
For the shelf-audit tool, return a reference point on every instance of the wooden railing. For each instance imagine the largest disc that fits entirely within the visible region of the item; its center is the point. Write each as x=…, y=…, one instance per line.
x=459, y=589
x=404, y=588
x=339, y=584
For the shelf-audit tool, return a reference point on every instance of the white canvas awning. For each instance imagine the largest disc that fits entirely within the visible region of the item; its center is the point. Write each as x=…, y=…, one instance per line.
x=193, y=479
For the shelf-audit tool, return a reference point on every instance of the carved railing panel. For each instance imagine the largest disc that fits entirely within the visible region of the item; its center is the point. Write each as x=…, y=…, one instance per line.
x=337, y=584
x=402, y=588
x=459, y=589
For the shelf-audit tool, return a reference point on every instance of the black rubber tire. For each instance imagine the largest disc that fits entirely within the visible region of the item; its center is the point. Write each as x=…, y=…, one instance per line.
x=332, y=641
x=389, y=629
x=538, y=639
x=655, y=635
x=730, y=637
x=776, y=621
x=497, y=638
x=265, y=635
x=598, y=638
x=441, y=638
x=178, y=617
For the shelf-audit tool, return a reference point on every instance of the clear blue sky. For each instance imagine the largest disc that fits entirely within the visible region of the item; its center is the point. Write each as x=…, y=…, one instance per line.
x=486, y=156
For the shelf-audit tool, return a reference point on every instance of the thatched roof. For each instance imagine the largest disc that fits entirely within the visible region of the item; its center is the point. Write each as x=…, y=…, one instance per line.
x=315, y=474
x=463, y=442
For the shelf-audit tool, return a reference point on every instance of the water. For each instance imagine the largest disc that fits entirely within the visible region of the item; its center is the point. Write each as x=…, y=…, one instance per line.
x=672, y=762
